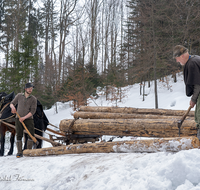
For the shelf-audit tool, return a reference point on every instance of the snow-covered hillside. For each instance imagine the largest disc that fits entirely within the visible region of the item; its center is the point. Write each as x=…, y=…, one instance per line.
x=113, y=171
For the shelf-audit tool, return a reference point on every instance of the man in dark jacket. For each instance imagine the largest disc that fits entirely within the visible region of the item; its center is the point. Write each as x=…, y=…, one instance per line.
x=26, y=108
x=191, y=74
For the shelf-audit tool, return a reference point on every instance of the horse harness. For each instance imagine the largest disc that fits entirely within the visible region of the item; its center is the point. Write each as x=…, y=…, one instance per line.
x=1, y=111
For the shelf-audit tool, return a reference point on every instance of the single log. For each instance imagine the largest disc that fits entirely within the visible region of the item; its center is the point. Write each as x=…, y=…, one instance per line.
x=129, y=127
x=150, y=145
x=130, y=110
x=108, y=115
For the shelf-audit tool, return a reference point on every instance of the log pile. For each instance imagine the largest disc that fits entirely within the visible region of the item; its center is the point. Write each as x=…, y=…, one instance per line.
x=161, y=124
x=129, y=122
x=150, y=145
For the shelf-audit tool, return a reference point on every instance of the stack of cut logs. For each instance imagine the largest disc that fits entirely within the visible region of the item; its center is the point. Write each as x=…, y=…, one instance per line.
x=161, y=124
x=130, y=122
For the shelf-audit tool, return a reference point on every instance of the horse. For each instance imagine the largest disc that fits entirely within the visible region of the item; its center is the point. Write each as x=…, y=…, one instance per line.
x=5, y=112
x=40, y=122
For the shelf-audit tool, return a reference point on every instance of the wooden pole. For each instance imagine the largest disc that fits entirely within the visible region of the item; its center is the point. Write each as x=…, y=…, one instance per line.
x=129, y=127
x=56, y=132
x=183, y=118
x=32, y=137
x=37, y=136
x=130, y=110
x=150, y=145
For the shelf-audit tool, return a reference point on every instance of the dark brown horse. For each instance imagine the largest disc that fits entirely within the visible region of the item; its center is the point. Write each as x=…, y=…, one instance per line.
x=40, y=122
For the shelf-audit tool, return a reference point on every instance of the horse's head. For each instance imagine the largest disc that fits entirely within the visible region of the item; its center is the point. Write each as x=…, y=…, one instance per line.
x=6, y=98
x=9, y=97
x=2, y=95
x=5, y=110
x=2, y=99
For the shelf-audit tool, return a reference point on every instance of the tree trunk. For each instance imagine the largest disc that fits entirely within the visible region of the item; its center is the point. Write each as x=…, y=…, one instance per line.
x=129, y=127
x=150, y=145
x=129, y=110
x=154, y=60
x=102, y=115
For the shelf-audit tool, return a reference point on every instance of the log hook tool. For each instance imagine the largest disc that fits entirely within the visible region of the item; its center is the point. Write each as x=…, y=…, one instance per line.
x=181, y=120
x=32, y=137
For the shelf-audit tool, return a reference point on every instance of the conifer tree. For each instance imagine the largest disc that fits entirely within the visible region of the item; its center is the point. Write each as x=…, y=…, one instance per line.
x=23, y=66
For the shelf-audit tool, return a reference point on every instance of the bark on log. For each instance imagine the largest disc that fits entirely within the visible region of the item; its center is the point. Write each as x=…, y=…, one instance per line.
x=129, y=127
x=107, y=115
x=129, y=110
x=150, y=145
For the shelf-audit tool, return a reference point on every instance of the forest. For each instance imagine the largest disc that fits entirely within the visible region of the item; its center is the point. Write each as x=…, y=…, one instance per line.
x=70, y=48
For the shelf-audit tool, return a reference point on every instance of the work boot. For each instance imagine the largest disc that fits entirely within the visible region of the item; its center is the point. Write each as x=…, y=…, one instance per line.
x=198, y=133
x=29, y=144
x=19, y=149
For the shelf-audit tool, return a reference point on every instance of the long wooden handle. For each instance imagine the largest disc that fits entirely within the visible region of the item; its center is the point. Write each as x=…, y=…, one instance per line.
x=32, y=137
x=38, y=136
x=185, y=115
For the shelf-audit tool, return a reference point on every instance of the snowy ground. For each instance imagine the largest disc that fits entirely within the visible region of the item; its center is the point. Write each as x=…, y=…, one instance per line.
x=113, y=171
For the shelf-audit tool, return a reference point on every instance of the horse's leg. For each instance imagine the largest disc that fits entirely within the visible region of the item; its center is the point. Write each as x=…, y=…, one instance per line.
x=40, y=143
x=40, y=133
x=25, y=140
x=2, y=139
x=12, y=140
